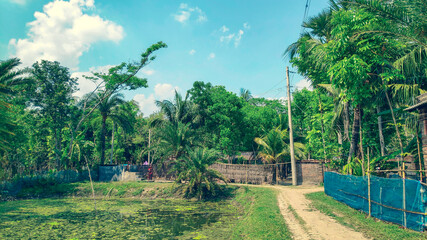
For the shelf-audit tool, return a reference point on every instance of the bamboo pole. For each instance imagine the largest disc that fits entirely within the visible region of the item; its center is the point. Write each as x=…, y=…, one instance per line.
x=246, y=173
x=149, y=146
x=419, y=157
x=361, y=146
x=404, y=193
x=369, y=185
x=369, y=191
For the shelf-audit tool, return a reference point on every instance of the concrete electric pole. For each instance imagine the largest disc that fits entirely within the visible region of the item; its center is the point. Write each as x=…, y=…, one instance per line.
x=291, y=133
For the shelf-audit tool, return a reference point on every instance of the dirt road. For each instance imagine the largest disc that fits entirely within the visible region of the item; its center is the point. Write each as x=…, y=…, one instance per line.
x=308, y=223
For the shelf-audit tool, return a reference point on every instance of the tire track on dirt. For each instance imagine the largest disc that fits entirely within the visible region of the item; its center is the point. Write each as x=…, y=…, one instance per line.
x=317, y=225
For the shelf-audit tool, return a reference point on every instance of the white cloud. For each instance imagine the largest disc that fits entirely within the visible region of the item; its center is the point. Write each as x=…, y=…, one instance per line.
x=238, y=38
x=182, y=17
x=147, y=105
x=85, y=86
x=192, y=52
x=185, y=12
x=235, y=37
x=162, y=91
x=165, y=91
x=224, y=29
x=211, y=56
x=304, y=83
x=227, y=38
x=63, y=32
x=148, y=72
x=101, y=69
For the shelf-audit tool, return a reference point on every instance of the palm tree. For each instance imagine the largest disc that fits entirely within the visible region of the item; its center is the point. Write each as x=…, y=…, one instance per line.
x=274, y=148
x=180, y=110
x=125, y=117
x=10, y=78
x=107, y=109
x=194, y=171
x=245, y=94
x=175, y=140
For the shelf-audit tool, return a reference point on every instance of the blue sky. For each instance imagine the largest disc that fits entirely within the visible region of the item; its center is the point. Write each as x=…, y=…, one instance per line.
x=235, y=43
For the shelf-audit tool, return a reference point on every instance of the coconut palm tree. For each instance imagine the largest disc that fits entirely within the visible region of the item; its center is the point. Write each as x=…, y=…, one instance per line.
x=176, y=140
x=193, y=170
x=245, y=94
x=125, y=117
x=178, y=110
x=107, y=109
x=273, y=148
x=10, y=78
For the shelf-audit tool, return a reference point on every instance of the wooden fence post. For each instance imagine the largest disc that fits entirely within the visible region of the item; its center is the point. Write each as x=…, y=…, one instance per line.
x=369, y=185
x=404, y=193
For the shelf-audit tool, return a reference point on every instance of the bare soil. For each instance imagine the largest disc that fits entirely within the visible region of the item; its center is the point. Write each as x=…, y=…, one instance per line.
x=309, y=222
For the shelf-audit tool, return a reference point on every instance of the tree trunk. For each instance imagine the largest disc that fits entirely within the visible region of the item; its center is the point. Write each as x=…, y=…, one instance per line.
x=339, y=134
x=346, y=122
x=322, y=125
x=380, y=132
x=57, y=149
x=395, y=124
x=340, y=147
x=112, y=146
x=277, y=174
x=355, y=133
x=103, y=133
x=361, y=146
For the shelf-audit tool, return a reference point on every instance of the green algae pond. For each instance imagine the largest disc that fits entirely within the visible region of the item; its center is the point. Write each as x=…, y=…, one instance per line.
x=127, y=216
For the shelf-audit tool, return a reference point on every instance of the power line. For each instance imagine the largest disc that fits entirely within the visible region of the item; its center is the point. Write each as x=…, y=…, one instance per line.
x=306, y=10
x=272, y=88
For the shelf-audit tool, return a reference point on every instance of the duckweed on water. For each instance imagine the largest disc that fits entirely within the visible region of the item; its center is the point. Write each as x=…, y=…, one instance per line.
x=75, y=218
x=139, y=210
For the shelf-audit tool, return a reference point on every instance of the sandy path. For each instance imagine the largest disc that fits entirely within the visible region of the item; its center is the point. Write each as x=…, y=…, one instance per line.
x=317, y=225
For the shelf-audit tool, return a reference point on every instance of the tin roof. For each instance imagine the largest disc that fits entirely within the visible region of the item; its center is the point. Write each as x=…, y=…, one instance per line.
x=422, y=102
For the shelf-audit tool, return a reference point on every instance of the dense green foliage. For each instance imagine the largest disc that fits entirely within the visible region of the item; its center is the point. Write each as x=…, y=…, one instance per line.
x=361, y=54
x=45, y=128
x=359, y=221
x=366, y=61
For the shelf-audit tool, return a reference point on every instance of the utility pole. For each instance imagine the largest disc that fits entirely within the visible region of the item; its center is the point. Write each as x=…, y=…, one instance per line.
x=149, y=145
x=291, y=133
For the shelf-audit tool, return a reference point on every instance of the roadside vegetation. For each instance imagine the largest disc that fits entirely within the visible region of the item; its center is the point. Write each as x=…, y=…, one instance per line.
x=359, y=221
x=367, y=62
x=263, y=219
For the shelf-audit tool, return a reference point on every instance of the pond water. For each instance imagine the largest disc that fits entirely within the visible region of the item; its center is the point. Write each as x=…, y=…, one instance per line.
x=75, y=218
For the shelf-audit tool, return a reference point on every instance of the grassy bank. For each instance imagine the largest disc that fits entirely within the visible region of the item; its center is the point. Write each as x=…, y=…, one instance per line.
x=371, y=227
x=136, y=210
x=262, y=219
x=101, y=189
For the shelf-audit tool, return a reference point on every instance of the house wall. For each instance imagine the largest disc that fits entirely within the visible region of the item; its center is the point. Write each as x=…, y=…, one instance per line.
x=310, y=172
x=239, y=173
